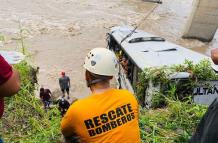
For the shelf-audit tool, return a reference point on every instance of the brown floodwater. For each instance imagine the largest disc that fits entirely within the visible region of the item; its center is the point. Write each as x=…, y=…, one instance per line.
x=61, y=32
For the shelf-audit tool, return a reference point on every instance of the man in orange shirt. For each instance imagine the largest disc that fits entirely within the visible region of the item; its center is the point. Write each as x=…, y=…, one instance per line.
x=108, y=115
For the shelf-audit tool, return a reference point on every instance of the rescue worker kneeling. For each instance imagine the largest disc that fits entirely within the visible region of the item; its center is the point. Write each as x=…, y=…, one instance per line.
x=108, y=115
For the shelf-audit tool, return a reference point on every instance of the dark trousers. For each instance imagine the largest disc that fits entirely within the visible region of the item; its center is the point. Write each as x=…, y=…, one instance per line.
x=65, y=90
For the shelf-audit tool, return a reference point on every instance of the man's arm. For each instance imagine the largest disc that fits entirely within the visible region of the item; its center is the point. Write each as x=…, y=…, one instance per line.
x=11, y=86
x=60, y=82
x=69, y=81
x=49, y=91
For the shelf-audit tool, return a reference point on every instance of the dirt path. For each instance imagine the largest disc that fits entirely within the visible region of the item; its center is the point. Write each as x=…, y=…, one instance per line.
x=61, y=32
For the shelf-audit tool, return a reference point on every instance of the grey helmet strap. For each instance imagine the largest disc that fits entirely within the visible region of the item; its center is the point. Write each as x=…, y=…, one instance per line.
x=100, y=78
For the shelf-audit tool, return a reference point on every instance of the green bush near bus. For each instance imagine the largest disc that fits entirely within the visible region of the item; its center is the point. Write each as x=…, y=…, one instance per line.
x=177, y=120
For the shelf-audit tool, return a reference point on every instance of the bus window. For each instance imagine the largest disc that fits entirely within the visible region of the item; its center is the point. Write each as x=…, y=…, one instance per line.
x=135, y=75
x=124, y=62
x=130, y=71
x=113, y=45
x=128, y=67
x=111, y=42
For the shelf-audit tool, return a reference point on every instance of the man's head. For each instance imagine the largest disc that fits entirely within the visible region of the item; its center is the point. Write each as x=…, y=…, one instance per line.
x=124, y=58
x=42, y=89
x=62, y=73
x=101, y=65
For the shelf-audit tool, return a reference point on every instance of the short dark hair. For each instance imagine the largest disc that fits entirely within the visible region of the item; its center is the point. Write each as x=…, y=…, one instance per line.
x=92, y=78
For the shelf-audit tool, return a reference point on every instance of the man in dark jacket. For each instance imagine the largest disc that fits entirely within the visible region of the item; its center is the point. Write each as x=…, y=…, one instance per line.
x=45, y=96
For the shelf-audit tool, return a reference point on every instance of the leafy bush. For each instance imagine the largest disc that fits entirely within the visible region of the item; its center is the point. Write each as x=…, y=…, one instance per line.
x=176, y=121
x=173, y=88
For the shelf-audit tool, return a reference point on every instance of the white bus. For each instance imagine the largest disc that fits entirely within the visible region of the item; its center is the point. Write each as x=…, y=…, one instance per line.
x=144, y=50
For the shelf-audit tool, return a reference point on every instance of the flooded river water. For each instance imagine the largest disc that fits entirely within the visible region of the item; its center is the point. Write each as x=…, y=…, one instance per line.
x=61, y=32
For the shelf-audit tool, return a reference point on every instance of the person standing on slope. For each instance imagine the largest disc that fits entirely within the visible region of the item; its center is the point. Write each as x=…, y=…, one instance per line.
x=106, y=116
x=64, y=82
x=45, y=96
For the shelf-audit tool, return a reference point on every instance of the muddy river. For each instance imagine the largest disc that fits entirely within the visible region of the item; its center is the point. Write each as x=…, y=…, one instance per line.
x=59, y=33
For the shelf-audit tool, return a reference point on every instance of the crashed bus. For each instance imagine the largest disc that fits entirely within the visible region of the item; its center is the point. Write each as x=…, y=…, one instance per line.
x=137, y=50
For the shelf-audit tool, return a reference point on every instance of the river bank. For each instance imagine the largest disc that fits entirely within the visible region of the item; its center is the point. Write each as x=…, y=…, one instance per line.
x=60, y=33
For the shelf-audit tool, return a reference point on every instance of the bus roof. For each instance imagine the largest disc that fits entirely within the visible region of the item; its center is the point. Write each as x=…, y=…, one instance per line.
x=147, y=54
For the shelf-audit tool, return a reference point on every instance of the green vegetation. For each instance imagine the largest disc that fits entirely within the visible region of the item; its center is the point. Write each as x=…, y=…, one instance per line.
x=176, y=121
x=21, y=38
x=183, y=90
x=25, y=120
x=173, y=124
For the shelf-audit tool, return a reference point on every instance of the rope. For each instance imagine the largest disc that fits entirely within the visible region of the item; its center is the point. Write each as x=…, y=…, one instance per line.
x=139, y=24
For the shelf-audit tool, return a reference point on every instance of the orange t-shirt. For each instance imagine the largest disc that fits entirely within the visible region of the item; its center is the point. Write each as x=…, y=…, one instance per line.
x=109, y=117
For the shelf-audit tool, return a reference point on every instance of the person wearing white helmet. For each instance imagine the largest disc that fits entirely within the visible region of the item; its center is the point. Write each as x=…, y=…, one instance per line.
x=108, y=115
x=63, y=106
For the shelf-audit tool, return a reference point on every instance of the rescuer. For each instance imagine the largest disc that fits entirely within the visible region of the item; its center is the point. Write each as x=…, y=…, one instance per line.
x=106, y=116
x=63, y=106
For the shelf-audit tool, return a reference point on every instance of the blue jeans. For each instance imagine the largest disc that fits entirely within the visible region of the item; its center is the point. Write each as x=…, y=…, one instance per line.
x=1, y=141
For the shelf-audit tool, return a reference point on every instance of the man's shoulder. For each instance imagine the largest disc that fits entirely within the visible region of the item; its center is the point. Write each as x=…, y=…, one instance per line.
x=123, y=92
x=125, y=95
x=64, y=78
x=47, y=90
x=79, y=103
x=67, y=77
x=83, y=102
x=77, y=106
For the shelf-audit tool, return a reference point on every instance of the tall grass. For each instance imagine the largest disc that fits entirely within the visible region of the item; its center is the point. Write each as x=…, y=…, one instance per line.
x=172, y=124
x=25, y=121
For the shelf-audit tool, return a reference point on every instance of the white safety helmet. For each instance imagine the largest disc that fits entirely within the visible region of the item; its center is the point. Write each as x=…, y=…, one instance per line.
x=101, y=61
